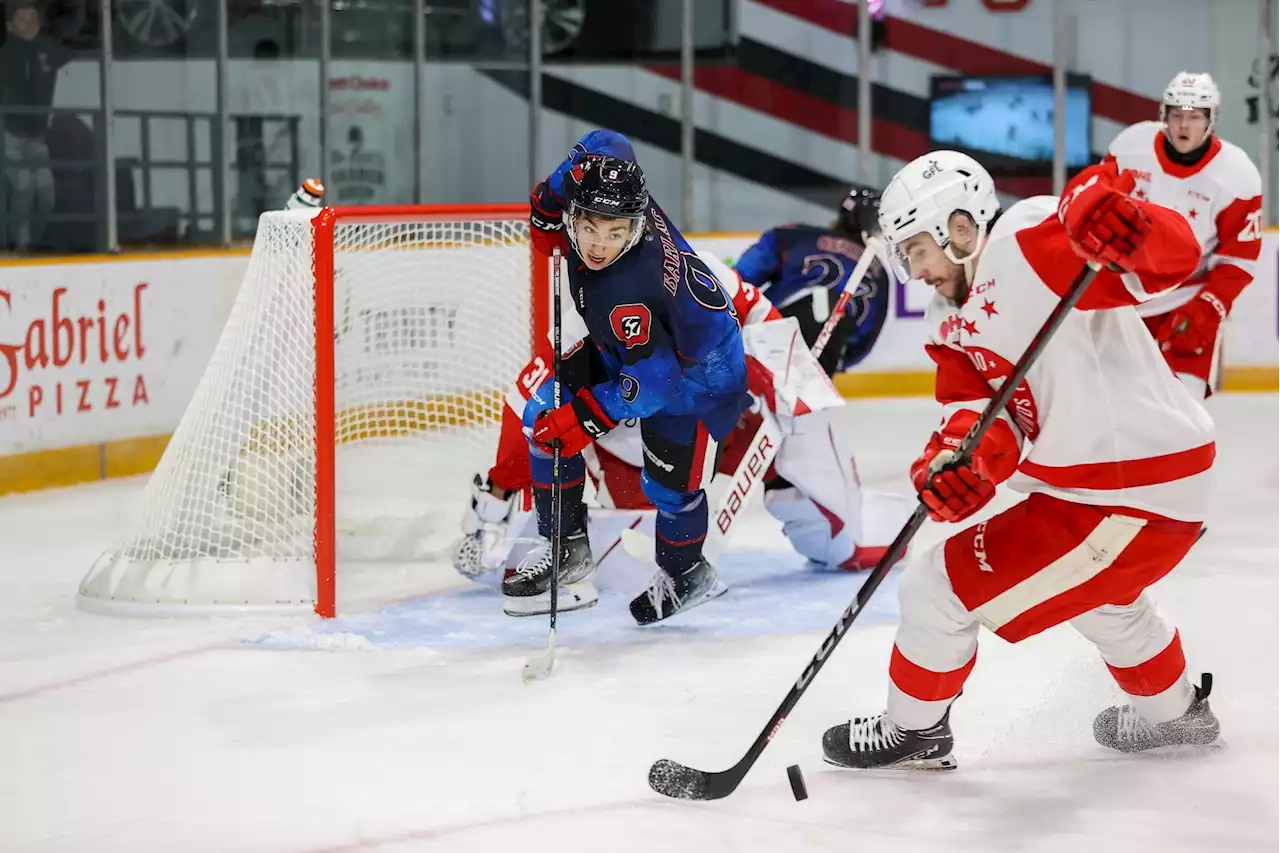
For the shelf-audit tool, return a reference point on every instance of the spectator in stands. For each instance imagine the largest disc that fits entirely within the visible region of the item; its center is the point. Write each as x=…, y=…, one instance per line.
x=29, y=63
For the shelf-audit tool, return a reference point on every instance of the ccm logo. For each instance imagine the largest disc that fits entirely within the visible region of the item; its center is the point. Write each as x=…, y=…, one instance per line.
x=755, y=469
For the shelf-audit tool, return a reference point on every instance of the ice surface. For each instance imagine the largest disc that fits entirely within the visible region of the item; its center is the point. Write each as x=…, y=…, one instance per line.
x=410, y=730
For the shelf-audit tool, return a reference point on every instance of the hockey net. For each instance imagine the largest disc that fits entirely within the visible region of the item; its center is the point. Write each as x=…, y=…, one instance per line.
x=356, y=388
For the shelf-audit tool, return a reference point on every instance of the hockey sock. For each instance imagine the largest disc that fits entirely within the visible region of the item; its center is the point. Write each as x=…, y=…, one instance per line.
x=680, y=536
x=573, y=475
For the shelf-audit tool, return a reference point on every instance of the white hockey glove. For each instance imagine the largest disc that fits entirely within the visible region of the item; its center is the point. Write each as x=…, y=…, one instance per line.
x=484, y=526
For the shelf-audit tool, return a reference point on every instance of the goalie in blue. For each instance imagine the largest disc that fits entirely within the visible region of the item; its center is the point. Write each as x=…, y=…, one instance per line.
x=663, y=346
x=803, y=270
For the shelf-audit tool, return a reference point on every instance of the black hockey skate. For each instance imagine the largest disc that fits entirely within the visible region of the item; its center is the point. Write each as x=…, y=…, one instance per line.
x=1121, y=727
x=668, y=595
x=526, y=590
x=872, y=742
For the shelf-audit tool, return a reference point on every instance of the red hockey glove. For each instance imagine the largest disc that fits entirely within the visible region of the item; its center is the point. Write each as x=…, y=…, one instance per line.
x=760, y=383
x=953, y=491
x=1103, y=223
x=1193, y=328
x=546, y=229
x=573, y=426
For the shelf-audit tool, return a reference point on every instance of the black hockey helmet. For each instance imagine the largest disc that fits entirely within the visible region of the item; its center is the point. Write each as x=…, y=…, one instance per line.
x=860, y=213
x=609, y=188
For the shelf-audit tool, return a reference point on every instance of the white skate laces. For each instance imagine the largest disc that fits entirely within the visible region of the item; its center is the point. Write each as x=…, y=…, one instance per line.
x=662, y=587
x=874, y=734
x=532, y=567
x=1131, y=727
x=1122, y=727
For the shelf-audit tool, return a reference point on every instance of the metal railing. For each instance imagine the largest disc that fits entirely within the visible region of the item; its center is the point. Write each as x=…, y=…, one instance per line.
x=198, y=190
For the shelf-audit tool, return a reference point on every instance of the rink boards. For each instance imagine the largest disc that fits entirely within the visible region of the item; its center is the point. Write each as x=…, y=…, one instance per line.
x=99, y=356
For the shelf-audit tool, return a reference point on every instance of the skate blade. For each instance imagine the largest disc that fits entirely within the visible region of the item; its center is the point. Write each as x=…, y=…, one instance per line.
x=1171, y=750
x=947, y=762
x=571, y=597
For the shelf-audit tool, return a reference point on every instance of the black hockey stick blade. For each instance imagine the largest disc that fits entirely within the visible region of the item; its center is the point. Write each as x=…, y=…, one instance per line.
x=678, y=781
x=673, y=779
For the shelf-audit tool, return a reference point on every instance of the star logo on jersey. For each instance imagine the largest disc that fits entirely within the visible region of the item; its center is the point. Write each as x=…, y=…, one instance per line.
x=1193, y=213
x=1139, y=193
x=969, y=327
x=631, y=323
x=989, y=307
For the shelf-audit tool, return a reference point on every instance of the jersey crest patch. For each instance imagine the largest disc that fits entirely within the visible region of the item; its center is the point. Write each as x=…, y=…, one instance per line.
x=631, y=323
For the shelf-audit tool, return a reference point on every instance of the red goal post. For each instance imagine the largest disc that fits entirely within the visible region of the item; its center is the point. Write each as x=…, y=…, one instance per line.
x=325, y=227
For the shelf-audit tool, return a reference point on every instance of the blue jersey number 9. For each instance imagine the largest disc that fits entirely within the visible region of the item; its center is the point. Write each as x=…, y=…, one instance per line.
x=704, y=286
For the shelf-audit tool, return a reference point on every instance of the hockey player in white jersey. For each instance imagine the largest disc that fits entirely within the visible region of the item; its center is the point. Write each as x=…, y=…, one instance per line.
x=1117, y=454
x=1181, y=163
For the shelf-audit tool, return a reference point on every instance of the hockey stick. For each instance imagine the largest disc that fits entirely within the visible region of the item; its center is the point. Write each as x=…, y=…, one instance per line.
x=540, y=665
x=676, y=780
x=748, y=477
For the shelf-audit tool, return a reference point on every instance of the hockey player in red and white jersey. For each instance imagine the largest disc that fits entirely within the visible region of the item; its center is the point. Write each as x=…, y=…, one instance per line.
x=1113, y=453
x=1181, y=163
x=825, y=513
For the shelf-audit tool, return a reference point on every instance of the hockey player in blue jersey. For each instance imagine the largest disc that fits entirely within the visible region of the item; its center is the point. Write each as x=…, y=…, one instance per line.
x=803, y=269
x=663, y=346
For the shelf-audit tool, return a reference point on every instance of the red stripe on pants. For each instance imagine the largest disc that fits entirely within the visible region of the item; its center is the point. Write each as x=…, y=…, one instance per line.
x=698, y=463
x=925, y=684
x=1155, y=675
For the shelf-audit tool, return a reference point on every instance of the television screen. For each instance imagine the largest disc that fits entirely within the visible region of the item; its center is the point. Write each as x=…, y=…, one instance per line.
x=1010, y=119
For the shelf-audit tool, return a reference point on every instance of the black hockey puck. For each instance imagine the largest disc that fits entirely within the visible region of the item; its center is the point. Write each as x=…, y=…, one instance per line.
x=797, y=783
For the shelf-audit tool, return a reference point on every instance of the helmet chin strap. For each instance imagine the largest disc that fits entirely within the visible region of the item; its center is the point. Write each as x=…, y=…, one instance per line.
x=969, y=261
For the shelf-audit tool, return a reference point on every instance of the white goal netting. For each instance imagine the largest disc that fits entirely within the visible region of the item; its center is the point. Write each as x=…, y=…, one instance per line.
x=431, y=324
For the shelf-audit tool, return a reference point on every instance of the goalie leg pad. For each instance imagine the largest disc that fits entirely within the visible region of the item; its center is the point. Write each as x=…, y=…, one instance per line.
x=822, y=515
x=815, y=532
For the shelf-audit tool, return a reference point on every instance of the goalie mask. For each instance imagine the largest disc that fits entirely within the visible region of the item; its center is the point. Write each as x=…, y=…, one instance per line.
x=609, y=204
x=924, y=195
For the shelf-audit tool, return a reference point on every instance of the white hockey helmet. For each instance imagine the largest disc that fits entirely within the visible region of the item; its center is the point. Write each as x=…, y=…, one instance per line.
x=1188, y=91
x=925, y=193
